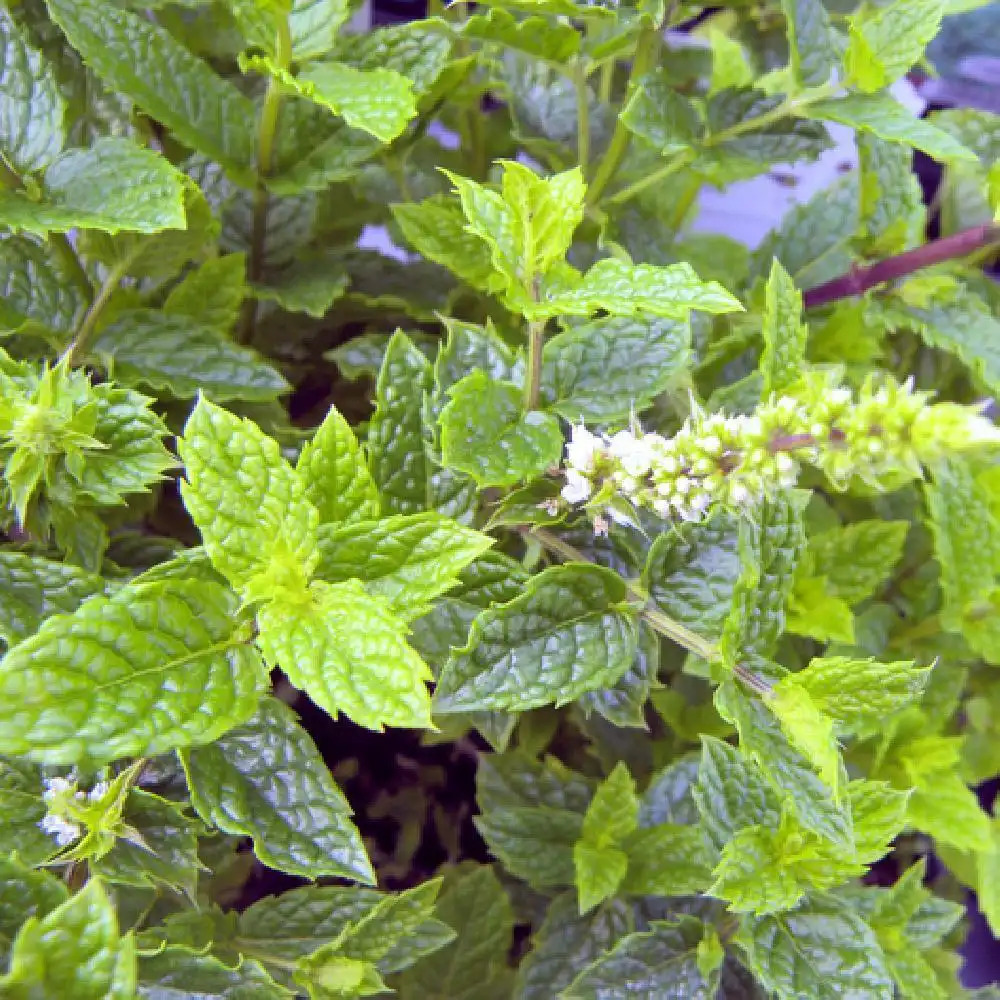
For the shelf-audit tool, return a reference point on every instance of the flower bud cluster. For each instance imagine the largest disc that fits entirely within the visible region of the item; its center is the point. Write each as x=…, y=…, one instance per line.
x=880, y=435
x=65, y=802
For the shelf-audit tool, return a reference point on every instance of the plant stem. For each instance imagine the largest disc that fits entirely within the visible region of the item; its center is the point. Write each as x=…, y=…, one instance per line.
x=645, y=52
x=670, y=167
x=607, y=81
x=266, y=132
x=582, y=115
x=89, y=322
x=8, y=176
x=67, y=255
x=859, y=280
x=533, y=376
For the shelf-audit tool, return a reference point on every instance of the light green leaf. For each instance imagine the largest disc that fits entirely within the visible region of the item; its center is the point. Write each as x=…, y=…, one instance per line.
x=784, y=333
x=565, y=943
x=988, y=880
x=602, y=371
x=883, y=116
x=399, y=462
x=212, y=293
x=567, y=633
x=754, y=876
x=893, y=215
x=418, y=50
x=599, y=872
x=816, y=612
x=856, y=559
x=34, y=588
x=661, y=116
x=553, y=41
x=470, y=346
x=73, y=951
x=143, y=60
x=436, y=229
x=31, y=106
x=812, y=54
x=856, y=693
x=648, y=966
x=946, y=808
x=667, y=860
x=377, y=101
x=266, y=780
x=885, y=42
x=808, y=729
x=473, y=966
x=822, y=950
x=729, y=63
x=250, y=507
x=182, y=356
x=334, y=474
x=154, y=667
x=613, y=812
x=21, y=811
x=24, y=893
x=486, y=434
x=314, y=26
x=346, y=649
x=407, y=560
x=624, y=289
x=879, y=814
x=111, y=186
x=179, y=974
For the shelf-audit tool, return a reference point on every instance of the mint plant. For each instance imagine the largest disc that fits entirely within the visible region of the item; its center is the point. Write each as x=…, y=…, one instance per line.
x=693, y=549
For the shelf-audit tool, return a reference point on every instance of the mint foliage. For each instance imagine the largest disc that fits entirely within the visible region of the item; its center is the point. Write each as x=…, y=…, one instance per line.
x=570, y=602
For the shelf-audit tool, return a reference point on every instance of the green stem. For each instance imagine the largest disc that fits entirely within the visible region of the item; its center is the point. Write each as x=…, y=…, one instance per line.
x=88, y=324
x=582, y=115
x=266, y=132
x=607, y=81
x=670, y=167
x=533, y=376
x=8, y=176
x=63, y=249
x=645, y=52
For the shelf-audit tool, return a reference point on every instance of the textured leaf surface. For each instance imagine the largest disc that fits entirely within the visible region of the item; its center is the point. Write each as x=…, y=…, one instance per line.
x=784, y=332
x=111, y=186
x=34, y=588
x=855, y=560
x=24, y=893
x=661, y=116
x=244, y=497
x=144, y=61
x=31, y=107
x=407, y=559
x=822, y=950
x=212, y=293
x=486, y=434
x=21, y=810
x=808, y=729
x=810, y=42
x=602, y=371
x=184, y=357
x=180, y=974
x=34, y=287
x=334, y=474
x=265, y=779
x=347, y=650
x=566, y=634
x=887, y=41
x=156, y=666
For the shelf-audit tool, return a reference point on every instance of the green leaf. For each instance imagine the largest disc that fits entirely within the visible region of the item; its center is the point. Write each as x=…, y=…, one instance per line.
x=944, y=807
x=163, y=849
x=884, y=117
x=822, y=950
x=111, y=186
x=179, y=974
x=599, y=872
x=35, y=290
x=407, y=560
x=21, y=811
x=183, y=357
x=212, y=293
x=470, y=346
x=667, y=860
x=812, y=52
x=314, y=26
x=784, y=332
x=855, y=560
x=266, y=780
x=399, y=462
x=250, y=507
x=486, y=434
x=987, y=881
x=729, y=62
x=893, y=216
x=879, y=814
x=24, y=893
x=34, y=588
x=143, y=60
x=567, y=633
x=154, y=667
x=647, y=965
x=565, y=943
x=334, y=475
x=311, y=286
x=885, y=42
x=436, y=229
x=814, y=611
x=623, y=704
x=859, y=694
x=347, y=650
x=540, y=37
x=418, y=50
x=73, y=951
x=808, y=728
x=661, y=116
x=602, y=371
x=754, y=876
x=474, y=965
x=624, y=289
x=31, y=107
x=377, y=101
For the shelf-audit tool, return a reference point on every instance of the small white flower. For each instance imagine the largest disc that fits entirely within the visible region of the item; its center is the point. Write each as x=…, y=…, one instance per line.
x=711, y=444
x=582, y=448
x=669, y=464
x=99, y=791
x=601, y=525
x=739, y=494
x=550, y=506
x=662, y=507
x=64, y=832
x=682, y=485
x=634, y=453
x=55, y=787
x=840, y=397
x=577, y=487
x=784, y=463
x=665, y=489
